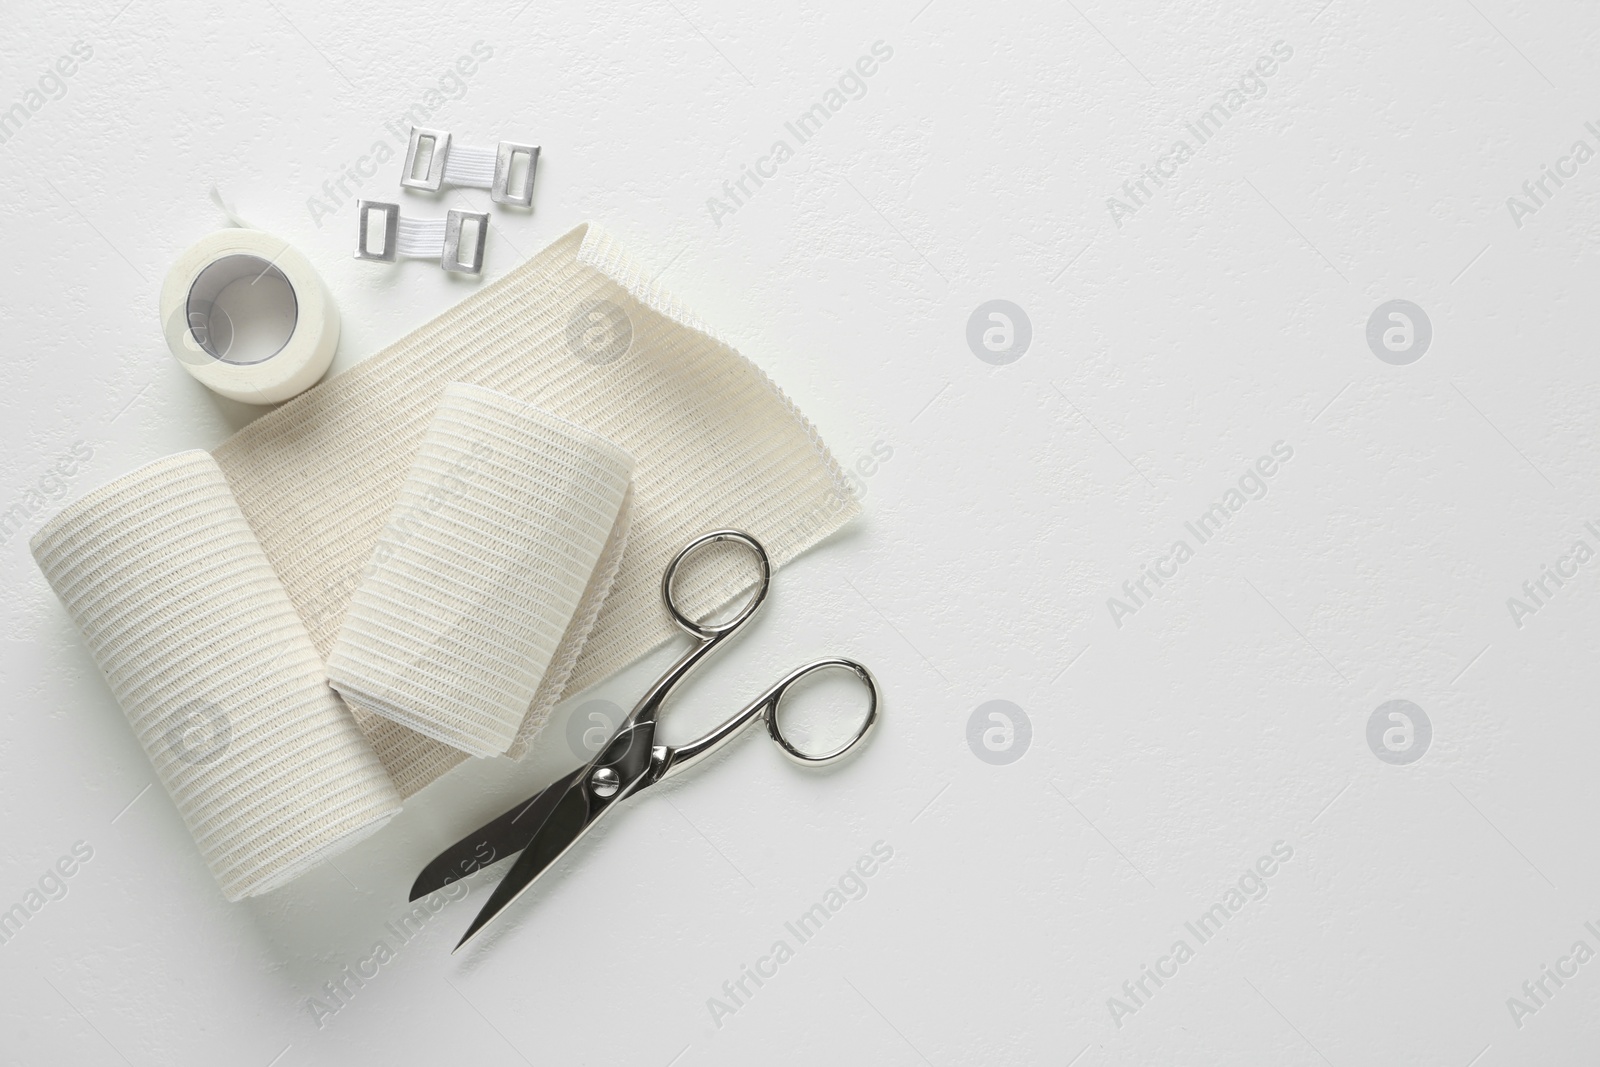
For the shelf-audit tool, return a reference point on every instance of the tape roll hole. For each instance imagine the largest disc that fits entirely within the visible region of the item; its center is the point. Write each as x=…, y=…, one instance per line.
x=241, y=310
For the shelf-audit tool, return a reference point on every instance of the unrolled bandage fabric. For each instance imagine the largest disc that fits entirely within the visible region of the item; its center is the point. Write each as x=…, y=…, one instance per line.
x=509, y=525
x=215, y=671
x=579, y=331
x=210, y=590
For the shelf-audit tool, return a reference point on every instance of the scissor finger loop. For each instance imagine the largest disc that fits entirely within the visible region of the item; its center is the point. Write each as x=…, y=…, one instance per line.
x=779, y=691
x=707, y=630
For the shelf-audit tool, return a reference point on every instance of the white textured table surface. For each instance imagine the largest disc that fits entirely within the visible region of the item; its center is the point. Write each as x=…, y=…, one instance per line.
x=1430, y=877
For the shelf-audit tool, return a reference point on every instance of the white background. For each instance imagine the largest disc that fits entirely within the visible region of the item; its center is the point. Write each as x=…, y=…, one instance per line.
x=1227, y=313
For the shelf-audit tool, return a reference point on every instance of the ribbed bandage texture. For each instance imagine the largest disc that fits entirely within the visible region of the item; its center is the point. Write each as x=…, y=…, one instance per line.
x=215, y=671
x=578, y=331
x=488, y=555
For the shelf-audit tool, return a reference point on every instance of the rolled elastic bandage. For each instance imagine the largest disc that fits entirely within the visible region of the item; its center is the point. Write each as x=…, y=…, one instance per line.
x=215, y=672
x=509, y=527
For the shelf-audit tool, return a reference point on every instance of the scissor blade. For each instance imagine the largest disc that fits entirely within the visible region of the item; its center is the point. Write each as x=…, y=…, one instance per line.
x=566, y=823
x=494, y=840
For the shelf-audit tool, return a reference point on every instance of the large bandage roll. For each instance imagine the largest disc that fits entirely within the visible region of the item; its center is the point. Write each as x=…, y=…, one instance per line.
x=216, y=672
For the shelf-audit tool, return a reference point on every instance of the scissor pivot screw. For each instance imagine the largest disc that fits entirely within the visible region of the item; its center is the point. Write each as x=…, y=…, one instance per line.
x=605, y=782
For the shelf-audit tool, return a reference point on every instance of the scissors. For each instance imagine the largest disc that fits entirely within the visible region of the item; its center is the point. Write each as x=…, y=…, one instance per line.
x=547, y=824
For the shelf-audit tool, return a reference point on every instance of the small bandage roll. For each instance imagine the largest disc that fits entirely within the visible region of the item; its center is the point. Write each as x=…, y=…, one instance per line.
x=215, y=671
x=487, y=575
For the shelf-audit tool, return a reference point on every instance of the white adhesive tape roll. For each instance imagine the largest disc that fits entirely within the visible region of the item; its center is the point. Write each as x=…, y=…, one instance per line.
x=248, y=317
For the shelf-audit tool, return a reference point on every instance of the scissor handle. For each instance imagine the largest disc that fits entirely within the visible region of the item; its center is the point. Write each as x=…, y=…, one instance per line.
x=710, y=631
x=766, y=707
x=773, y=699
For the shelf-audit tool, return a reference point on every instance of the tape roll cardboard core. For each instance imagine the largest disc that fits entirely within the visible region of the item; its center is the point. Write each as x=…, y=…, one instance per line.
x=242, y=310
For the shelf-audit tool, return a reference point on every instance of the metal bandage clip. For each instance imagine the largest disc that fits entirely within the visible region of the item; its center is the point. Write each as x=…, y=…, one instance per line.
x=442, y=163
x=422, y=238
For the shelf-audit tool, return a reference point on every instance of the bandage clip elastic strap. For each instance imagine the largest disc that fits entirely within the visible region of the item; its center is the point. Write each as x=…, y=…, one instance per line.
x=468, y=165
x=422, y=238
